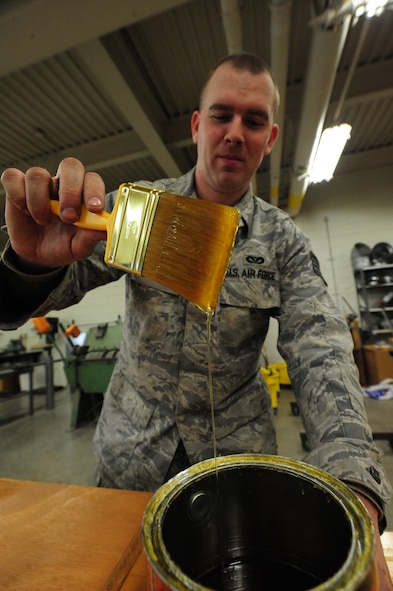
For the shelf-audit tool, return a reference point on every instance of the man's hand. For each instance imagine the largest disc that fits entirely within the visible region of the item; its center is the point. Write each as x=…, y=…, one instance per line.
x=40, y=239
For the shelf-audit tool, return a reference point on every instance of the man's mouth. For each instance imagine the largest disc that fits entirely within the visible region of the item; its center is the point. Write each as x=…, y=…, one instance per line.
x=231, y=158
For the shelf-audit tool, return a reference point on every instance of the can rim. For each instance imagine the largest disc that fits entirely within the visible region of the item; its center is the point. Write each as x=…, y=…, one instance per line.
x=361, y=552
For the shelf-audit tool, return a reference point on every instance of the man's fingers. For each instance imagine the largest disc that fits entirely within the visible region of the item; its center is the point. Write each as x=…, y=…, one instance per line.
x=75, y=186
x=94, y=191
x=70, y=177
x=13, y=181
x=38, y=188
x=28, y=192
x=72, y=186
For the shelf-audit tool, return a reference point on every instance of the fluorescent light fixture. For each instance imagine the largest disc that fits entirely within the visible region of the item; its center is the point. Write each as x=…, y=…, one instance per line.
x=330, y=148
x=370, y=8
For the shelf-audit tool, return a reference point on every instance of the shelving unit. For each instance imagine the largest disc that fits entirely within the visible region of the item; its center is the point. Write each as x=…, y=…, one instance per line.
x=374, y=287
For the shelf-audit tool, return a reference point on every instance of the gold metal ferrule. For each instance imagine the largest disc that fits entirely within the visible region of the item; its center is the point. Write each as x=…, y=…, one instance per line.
x=133, y=217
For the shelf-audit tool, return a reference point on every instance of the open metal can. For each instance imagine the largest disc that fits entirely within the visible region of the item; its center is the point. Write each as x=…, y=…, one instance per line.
x=253, y=522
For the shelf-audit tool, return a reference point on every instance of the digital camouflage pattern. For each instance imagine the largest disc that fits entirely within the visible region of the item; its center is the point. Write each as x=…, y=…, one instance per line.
x=159, y=390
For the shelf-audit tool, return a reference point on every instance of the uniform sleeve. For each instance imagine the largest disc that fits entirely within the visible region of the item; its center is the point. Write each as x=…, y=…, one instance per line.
x=317, y=345
x=24, y=296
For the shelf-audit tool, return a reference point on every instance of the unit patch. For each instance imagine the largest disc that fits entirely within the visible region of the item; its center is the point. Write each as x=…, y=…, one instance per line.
x=316, y=267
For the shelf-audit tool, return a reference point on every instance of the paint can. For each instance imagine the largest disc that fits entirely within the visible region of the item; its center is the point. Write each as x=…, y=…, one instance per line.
x=252, y=522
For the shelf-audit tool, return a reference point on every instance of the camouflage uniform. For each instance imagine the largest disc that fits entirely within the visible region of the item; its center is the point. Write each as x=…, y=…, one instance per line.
x=159, y=392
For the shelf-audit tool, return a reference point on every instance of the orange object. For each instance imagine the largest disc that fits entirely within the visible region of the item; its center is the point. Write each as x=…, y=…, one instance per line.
x=72, y=331
x=42, y=325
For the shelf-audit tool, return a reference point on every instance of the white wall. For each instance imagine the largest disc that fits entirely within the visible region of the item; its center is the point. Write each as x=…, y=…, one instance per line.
x=338, y=214
x=335, y=215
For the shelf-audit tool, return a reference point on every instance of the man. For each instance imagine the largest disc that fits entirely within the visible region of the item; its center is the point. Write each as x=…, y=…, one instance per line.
x=156, y=413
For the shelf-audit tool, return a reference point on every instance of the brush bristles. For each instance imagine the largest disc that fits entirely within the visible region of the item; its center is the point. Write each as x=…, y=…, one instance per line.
x=189, y=247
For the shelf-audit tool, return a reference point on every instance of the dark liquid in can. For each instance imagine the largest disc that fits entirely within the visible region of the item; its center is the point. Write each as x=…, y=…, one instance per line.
x=258, y=575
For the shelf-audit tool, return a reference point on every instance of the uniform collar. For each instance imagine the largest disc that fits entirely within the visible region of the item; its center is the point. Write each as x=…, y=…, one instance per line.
x=246, y=208
x=245, y=205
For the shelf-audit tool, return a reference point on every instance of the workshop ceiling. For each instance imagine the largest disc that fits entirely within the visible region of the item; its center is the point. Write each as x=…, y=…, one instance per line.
x=115, y=83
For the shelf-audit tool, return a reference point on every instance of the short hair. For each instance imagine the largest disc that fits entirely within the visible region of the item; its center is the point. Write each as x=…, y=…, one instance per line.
x=244, y=61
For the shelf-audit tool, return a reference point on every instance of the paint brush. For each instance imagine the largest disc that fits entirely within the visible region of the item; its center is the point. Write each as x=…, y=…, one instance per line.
x=181, y=243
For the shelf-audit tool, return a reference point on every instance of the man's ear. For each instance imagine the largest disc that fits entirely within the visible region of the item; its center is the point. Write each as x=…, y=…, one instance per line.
x=272, y=139
x=195, y=125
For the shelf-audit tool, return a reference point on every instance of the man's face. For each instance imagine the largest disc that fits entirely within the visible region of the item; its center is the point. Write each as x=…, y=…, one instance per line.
x=233, y=131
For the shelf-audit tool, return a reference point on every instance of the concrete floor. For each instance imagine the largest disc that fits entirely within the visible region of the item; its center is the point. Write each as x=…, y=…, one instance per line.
x=42, y=447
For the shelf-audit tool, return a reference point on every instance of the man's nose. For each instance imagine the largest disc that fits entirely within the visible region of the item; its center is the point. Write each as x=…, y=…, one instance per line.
x=234, y=132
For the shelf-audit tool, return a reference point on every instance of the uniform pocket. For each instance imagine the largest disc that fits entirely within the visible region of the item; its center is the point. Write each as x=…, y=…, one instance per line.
x=252, y=279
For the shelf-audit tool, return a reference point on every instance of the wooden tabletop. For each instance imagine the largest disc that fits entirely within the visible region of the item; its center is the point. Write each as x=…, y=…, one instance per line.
x=136, y=580
x=67, y=537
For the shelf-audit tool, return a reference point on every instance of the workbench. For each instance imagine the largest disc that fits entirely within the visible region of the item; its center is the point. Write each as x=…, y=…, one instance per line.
x=89, y=368
x=68, y=537
x=15, y=372
x=14, y=364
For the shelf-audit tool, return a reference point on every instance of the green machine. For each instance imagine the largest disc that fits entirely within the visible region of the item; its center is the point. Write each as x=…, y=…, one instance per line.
x=88, y=368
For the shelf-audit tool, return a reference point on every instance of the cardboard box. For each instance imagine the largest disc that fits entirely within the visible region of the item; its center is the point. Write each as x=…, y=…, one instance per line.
x=379, y=363
x=10, y=384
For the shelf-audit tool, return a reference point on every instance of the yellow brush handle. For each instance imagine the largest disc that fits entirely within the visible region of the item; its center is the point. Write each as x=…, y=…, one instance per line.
x=87, y=220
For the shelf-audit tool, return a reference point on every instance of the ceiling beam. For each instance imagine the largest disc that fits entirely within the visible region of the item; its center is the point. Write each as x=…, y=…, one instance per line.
x=38, y=29
x=377, y=76
x=101, y=66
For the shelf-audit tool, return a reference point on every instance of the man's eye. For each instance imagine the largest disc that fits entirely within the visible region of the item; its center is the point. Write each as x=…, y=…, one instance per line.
x=221, y=118
x=254, y=123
